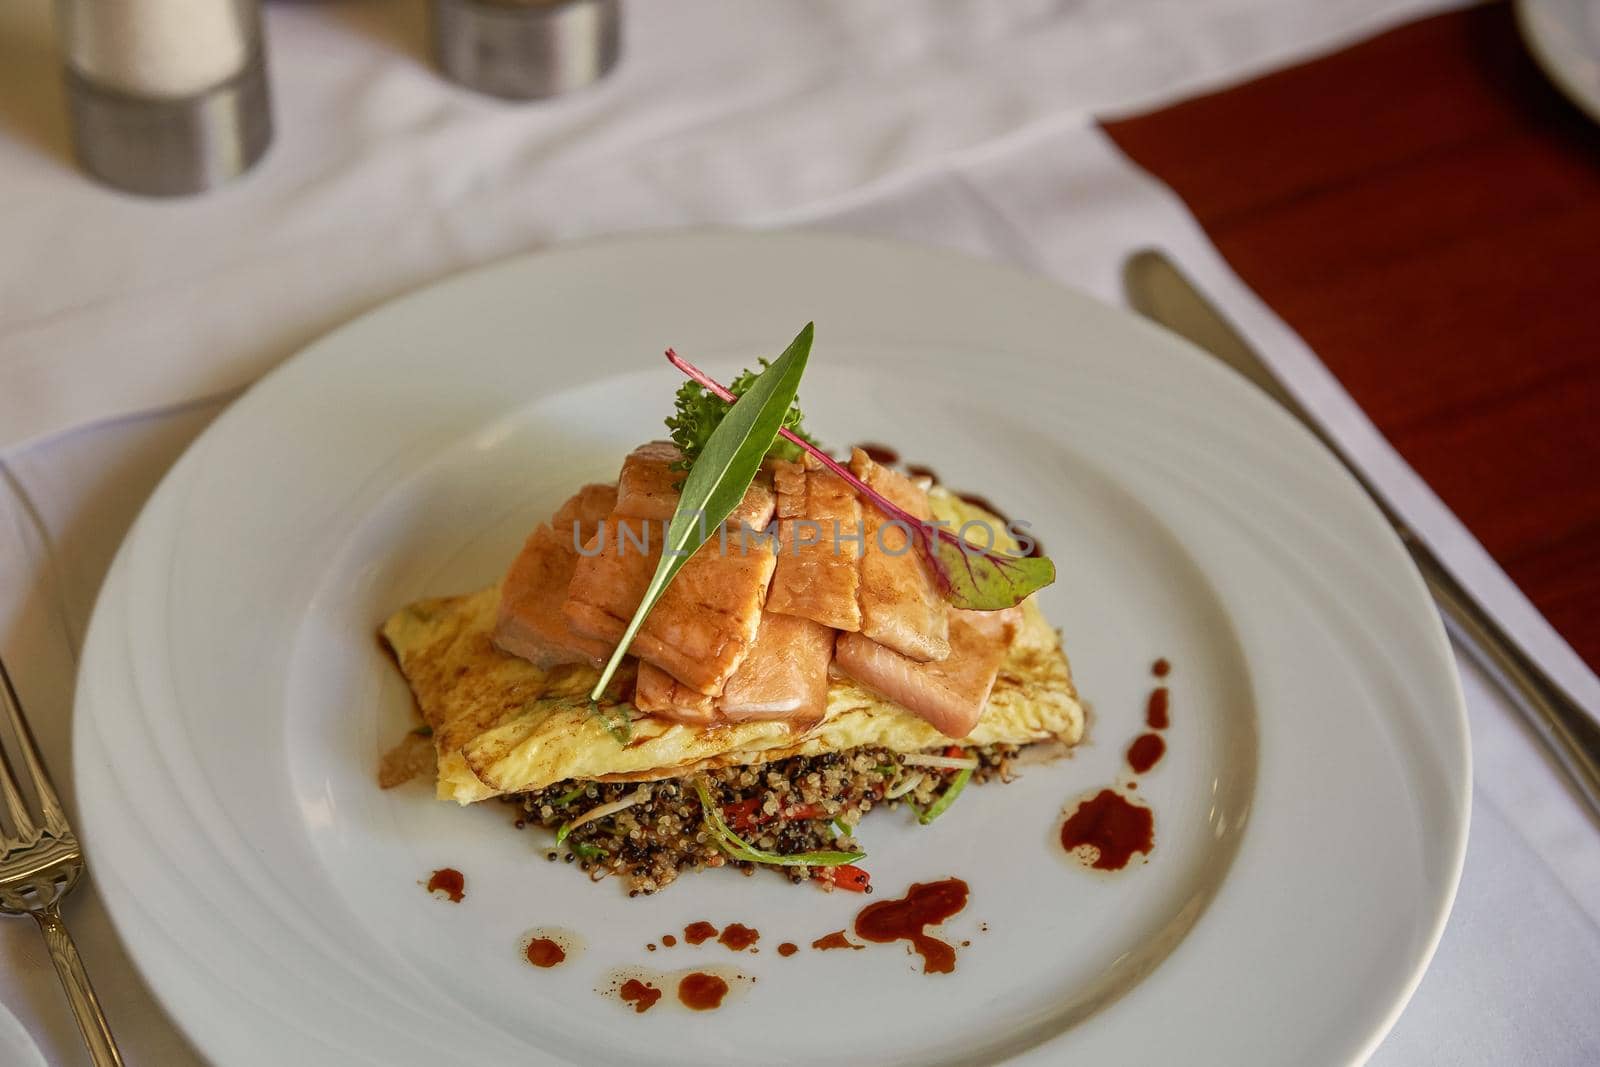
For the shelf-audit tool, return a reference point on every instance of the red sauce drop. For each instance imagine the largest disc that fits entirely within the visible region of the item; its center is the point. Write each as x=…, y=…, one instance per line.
x=543, y=952
x=1155, y=709
x=789, y=948
x=917, y=470
x=641, y=995
x=668, y=940
x=925, y=904
x=1115, y=828
x=739, y=937
x=701, y=991
x=699, y=933
x=1161, y=668
x=450, y=882
x=834, y=940
x=651, y=947
x=880, y=453
x=1145, y=752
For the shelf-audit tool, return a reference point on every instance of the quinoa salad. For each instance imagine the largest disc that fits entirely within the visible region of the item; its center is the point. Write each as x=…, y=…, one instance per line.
x=790, y=807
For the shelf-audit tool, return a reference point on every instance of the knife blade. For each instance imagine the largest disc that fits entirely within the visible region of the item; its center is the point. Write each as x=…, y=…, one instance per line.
x=1157, y=289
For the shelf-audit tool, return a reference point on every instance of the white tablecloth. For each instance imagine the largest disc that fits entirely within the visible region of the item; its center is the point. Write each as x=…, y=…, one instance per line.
x=126, y=325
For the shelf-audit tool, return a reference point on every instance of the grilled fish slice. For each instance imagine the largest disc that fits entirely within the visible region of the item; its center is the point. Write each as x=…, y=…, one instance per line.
x=948, y=694
x=648, y=488
x=529, y=622
x=785, y=676
x=705, y=622
x=611, y=576
x=900, y=608
x=819, y=546
x=660, y=694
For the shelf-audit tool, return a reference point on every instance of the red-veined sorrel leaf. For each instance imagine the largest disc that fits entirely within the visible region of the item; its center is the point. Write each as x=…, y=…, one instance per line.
x=970, y=577
x=967, y=575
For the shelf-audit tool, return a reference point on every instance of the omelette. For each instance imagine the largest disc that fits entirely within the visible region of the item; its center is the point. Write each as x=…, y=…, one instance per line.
x=772, y=697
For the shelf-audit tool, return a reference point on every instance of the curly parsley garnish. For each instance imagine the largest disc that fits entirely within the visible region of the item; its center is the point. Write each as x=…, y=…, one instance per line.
x=700, y=411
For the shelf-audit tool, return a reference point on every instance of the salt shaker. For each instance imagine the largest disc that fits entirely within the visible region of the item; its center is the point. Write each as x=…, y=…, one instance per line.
x=167, y=97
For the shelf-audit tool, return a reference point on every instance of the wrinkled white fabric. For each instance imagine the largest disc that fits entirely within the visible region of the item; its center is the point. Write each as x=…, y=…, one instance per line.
x=383, y=177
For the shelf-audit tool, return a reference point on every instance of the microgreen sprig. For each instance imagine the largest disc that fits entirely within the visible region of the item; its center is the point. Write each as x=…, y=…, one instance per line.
x=967, y=576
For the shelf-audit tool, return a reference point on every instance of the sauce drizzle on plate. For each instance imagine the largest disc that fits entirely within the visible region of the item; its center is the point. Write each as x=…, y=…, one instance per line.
x=701, y=991
x=545, y=952
x=641, y=995
x=1113, y=827
x=1145, y=752
x=907, y=919
x=449, y=881
x=739, y=937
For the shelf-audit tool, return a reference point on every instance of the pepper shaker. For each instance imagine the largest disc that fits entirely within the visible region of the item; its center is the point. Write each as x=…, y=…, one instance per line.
x=166, y=97
x=526, y=49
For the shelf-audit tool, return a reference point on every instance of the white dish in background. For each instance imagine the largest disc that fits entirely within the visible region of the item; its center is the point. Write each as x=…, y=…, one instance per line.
x=1310, y=813
x=1564, y=38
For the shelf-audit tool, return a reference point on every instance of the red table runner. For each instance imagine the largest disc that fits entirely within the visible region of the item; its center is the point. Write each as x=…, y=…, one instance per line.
x=1424, y=209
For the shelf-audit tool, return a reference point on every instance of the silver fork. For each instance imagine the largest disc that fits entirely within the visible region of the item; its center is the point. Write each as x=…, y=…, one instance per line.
x=40, y=862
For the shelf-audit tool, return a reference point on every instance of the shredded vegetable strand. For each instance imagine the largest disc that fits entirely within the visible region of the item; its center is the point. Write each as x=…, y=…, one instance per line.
x=569, y=796
x=947, y=798
x=904, y=785
x=953, y=763
x=635, y=797
x=740, y=849
x=585, y=851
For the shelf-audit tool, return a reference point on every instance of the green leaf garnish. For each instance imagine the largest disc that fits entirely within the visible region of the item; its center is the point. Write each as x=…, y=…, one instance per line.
x=562, y=831
x=947, y=798
x=568, y=797
x=740, y=849
x=718, y=480
x=423, y=731
x=699, y=412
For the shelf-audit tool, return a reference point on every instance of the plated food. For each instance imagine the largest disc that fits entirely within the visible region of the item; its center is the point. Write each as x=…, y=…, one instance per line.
x=225, y=772
x=741, y=685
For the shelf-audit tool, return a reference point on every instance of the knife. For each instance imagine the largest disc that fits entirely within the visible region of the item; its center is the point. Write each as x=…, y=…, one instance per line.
x=1158, y=290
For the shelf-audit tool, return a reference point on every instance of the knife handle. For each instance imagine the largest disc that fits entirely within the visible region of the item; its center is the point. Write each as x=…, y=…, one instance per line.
x=1160, y=291
x=1570, y=734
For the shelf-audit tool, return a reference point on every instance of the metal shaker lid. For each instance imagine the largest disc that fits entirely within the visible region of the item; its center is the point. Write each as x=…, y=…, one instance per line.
x=526, y=49
x=171, y=146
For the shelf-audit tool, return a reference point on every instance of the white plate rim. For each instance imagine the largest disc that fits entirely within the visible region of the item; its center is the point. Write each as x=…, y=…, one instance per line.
x=101, y=821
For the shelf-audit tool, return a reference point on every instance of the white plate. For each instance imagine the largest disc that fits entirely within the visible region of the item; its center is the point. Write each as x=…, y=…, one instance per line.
x=1310, y=815
x=1564, y=38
